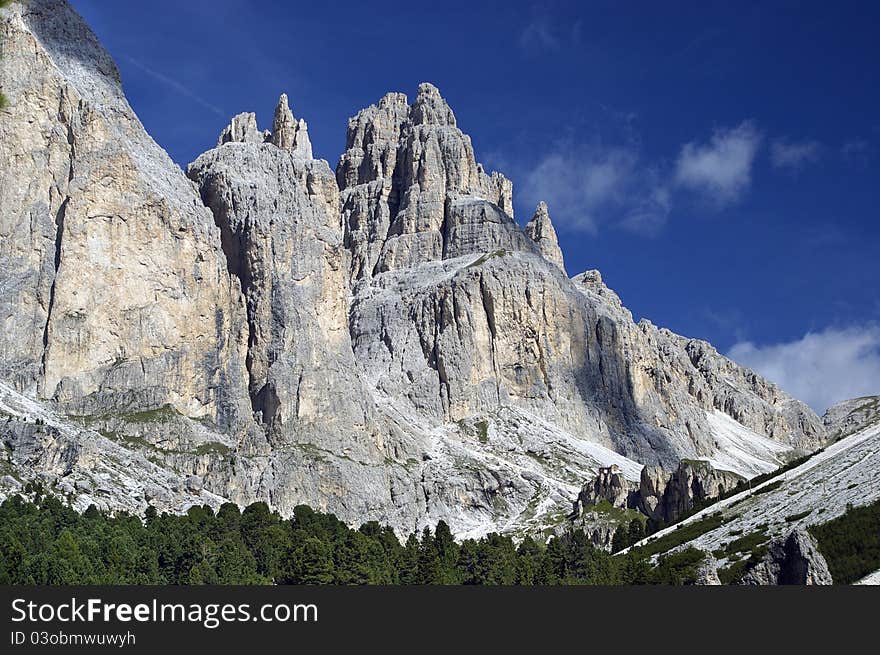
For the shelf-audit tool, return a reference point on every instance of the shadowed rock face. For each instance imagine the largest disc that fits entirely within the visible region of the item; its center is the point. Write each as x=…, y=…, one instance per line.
x=609, y=484
x=793, y=560
x=298, y=336
x=666, y=496
x=660, y=494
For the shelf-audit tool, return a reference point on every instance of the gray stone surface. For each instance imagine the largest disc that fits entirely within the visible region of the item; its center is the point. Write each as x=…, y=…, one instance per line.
x=115, y=293
x=851, y=416
x=540, y=230
x=667, y=495
x=242, y=129
x=609, y=484
x=792, y=560
x=412, y=191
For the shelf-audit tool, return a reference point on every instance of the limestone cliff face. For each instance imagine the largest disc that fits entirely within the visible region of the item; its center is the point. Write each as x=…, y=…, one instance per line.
x=412, y=191
x=609, y=484
x=540, y=230
x=115, y=293
x=851, y=416
x=277, y=210
x=384, y=342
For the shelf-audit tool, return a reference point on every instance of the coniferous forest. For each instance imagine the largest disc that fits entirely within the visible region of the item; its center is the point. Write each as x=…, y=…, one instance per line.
x=45, y=542
x=851, y=543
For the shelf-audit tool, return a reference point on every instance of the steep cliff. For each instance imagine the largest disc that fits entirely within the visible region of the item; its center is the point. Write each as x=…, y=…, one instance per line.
x=115, y=293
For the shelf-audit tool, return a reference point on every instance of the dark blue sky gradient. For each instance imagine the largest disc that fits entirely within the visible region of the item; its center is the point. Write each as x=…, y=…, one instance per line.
x=797, y=248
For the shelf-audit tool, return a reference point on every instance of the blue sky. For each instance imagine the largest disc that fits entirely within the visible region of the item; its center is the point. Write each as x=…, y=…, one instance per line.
x=718, y=162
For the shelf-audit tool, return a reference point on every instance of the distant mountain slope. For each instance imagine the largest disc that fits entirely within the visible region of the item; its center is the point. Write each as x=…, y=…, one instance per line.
x=850, y=416
x=846, y=474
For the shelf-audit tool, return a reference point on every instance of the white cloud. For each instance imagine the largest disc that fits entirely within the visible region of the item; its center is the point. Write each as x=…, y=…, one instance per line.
x=793, y=155
x=585, y=186
x=722, y=168
x=822, y=368
x=588, y=185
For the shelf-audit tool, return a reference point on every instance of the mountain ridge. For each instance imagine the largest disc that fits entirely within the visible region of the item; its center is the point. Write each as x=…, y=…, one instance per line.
x=383, y=341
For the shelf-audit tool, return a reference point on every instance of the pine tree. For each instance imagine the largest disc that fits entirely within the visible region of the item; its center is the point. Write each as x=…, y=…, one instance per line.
x=636, y=531
x=447, y=551
x=409, y=561
x=316, y=563
x=620, y=540
x=429, y=570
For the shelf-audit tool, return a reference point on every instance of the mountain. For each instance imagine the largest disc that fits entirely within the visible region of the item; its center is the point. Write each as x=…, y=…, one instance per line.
x=383, y=340
x=762, y=535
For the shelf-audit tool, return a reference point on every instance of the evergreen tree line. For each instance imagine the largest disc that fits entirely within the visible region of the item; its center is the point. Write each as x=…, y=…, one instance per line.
x=46, y=542
x=851, y=543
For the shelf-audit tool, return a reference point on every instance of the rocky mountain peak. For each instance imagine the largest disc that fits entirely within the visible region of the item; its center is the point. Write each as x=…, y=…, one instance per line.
x=540, y=230
x=242, y=129
x=413, y=192
x=289, y=133
x=430, y=108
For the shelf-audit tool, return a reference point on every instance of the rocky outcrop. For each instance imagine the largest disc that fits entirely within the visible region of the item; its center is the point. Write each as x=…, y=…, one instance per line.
x=412, y=191
x=288, y=133
x=660, y=494
x=665, y=496
x=851, y=416
x=243, y=129
x=540, y=230
x=706, y=573
x=792, y=560
x=599, y=529
x=608, y=485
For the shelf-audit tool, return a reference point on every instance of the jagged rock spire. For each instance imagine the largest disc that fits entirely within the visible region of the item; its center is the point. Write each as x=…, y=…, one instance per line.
x=430, y=108
x=540, y=230
x=413, y=192
x=287, y=133
x=242, y=129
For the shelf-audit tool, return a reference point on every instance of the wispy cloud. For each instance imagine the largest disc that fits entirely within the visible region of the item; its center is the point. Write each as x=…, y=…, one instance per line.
x=720, y=169
x=544, y=33
x=587, y=185
x=821, y=368
x=176, y=86
x=856, y=151
x=539, y=34
x=792, y=155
